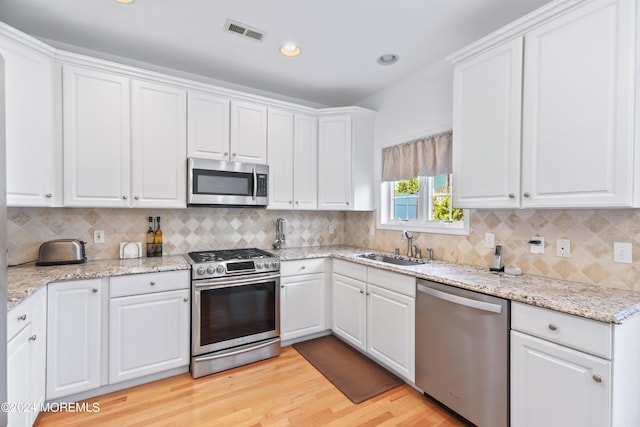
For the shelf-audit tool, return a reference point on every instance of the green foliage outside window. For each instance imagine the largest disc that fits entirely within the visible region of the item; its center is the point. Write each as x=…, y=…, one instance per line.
x=442, y=207
x=408, y=186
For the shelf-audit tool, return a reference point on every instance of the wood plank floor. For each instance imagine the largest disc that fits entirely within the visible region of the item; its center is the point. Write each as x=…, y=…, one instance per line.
x=284, y=391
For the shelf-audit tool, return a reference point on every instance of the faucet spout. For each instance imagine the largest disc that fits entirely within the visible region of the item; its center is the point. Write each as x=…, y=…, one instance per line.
x=409, y=237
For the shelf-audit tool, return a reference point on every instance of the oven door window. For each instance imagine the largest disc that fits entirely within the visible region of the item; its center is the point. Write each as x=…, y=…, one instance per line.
x=222, y=183
x=237, y=311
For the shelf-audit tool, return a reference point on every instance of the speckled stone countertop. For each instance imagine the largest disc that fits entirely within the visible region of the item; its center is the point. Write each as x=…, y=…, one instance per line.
x=27, y=279
x=585, y=300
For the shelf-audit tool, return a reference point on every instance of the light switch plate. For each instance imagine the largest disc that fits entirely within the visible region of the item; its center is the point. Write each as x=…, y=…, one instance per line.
x=537, y=248
x=98, y=236
x=563, y=248
x=622, y=252
x=489, y=240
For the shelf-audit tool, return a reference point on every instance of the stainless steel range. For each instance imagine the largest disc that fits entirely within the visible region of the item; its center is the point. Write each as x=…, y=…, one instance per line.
x=235, y=317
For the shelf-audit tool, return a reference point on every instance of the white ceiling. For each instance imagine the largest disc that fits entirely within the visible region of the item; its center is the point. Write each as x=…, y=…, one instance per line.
x=340, y=39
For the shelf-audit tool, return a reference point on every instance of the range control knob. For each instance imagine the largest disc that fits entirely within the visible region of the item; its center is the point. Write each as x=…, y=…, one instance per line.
x=220, y=269
x=274, y=263
x=200, y=271
x=259, y=265
x=211, y=269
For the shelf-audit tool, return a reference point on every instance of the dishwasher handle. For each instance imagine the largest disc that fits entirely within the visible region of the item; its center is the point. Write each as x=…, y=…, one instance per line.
x=480, y=305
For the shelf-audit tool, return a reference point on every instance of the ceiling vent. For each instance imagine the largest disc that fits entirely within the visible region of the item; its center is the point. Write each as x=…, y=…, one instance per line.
x=243, y=30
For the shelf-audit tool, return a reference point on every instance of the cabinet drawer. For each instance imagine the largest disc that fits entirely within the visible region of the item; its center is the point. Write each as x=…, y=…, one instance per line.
x=22, y=314
x=577, y=332
x=136, y=284
x=392, y=281
x=350, y=269
x=302, y=266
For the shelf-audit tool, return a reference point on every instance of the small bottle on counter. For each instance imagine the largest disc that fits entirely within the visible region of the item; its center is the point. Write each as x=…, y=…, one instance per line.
x=158, y=238
x=151, y=235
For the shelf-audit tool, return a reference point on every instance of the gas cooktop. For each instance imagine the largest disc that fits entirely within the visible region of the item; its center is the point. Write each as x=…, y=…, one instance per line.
x=227, y=262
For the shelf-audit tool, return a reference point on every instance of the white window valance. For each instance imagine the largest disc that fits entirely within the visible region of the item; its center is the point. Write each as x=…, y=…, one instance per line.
x=429, y=156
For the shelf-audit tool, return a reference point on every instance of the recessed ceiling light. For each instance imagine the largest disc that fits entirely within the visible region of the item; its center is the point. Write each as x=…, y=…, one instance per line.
x=387, y=59
x=125, y=1
x=290, y=49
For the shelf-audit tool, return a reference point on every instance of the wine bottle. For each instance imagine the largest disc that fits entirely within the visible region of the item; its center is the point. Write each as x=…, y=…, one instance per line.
x=151, y=235
x=158, y=238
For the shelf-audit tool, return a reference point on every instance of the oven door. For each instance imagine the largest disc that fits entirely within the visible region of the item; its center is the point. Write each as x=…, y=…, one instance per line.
x=218, y=182
x=229, y=312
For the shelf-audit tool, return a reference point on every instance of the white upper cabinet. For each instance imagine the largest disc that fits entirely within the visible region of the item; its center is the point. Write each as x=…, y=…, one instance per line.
x=208, y=126
x=248, y=134
x=33, y=131
x=124, y=141
x=158, y=146
x=292, y=155
x=486, y=128
x=577, y=146
x=345, y=159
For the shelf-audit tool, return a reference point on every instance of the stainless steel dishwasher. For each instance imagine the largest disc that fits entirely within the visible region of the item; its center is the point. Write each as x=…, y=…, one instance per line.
x=462, y=351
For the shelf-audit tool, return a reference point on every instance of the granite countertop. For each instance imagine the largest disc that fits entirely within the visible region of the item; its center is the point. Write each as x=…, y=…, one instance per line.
x=26, y=279
x=584, y=300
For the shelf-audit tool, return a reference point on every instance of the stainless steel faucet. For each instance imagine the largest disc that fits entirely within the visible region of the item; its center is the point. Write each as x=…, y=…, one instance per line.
x=409, y=237
x=280, y=237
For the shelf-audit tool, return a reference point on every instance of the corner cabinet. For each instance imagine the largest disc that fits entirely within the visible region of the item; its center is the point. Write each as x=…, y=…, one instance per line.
x=345, y=159
x=577, y=110
x=124, y=141
x=293, y=160
x=33, y=132
x=572, y=371
x=374, y=310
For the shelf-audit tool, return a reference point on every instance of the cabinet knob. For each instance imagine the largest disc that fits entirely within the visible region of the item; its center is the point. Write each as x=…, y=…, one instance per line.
x=303, y=267
x=94, y=290
x=552, y=327
x=282, y=286
x=22, y=317
x=361, y=291
x=297, y=202
x=152, y=283
x=32, y=338
x=48, y=195
x=233, y=154
x=526, y=194
x=597, y=378
x=185, y=299
x=512, y=196
x=136, y=198
x=290, y=202
x=124, y=197
x=368, y=294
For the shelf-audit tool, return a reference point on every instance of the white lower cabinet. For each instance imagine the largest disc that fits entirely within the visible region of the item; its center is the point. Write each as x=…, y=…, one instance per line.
x=374, y=310
x=26, y=358
x=148, y=332
x=572, y=371
x=302, y=298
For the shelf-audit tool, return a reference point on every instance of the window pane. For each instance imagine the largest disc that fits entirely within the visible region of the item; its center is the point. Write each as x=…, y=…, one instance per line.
x=405, y=199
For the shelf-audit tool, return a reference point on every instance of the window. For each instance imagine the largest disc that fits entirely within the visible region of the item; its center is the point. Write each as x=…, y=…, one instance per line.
x=421, y=204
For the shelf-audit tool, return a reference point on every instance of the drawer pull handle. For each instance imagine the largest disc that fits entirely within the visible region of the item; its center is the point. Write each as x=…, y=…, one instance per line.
x=597, y=378
x=94, y=290
x=552, y=327
x=48, y=195
x=152, y=283
x=22, y=317
x=303, y=267
x=32, y=338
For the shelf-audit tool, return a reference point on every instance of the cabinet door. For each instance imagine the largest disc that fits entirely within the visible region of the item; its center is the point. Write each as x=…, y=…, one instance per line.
x=391, y=330
x=96, y=138
x=248, y=132
x=578, y=108
x=280, y=156
x=148, y=334
x=334, y=162
x=208, y=126
x=487, y=103
x=349, y=310
x=305, y=162
x=32, y=132
x=158, y=146
x=302, y=305
x=74, y=315
x=554, y=385
x=20, y=376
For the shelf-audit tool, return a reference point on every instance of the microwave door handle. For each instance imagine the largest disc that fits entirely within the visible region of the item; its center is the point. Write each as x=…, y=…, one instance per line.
x=255, y=183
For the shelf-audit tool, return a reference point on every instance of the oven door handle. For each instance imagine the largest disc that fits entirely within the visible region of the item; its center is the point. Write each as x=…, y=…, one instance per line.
x=227, y=282
x=236, y=352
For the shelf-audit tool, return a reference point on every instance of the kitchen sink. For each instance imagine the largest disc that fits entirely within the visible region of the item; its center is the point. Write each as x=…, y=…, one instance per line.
x=390, y=259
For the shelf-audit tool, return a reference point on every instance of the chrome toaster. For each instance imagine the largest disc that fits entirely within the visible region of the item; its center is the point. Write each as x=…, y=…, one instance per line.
x=62, y=251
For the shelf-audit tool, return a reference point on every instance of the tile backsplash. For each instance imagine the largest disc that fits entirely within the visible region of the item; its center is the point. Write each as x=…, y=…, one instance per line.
x=592, y=233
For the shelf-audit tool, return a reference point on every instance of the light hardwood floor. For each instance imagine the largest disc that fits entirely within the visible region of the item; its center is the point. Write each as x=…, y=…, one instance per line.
x=284, y=391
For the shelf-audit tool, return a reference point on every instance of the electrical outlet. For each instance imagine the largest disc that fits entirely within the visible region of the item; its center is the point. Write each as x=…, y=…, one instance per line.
x=331, y=229
x=489, y=240
x=537, y=248
x=98, y=236
x=563, y=248
x=372, y=231
x=622, y=252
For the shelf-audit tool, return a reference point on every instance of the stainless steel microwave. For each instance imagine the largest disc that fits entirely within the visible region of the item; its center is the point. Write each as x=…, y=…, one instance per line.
x=218, y=182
